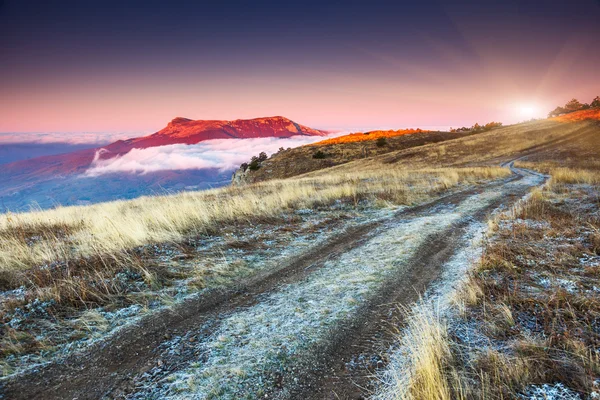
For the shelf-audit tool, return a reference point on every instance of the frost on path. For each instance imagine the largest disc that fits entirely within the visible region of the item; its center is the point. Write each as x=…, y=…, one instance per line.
x=252, y=347
x=434, y=305
x=556, y=391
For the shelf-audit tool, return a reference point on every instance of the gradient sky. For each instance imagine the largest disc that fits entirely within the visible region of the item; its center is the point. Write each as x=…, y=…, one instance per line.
x=131, y=66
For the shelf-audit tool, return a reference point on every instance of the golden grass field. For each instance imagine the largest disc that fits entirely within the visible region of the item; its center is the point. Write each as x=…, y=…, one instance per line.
x=102, y=230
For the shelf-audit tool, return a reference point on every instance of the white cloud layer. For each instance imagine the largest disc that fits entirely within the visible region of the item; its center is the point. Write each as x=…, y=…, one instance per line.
x=222, y=154
x=93, y=138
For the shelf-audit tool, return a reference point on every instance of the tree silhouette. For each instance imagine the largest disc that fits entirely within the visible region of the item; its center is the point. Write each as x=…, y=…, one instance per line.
x=573, y=105
x=556, y=112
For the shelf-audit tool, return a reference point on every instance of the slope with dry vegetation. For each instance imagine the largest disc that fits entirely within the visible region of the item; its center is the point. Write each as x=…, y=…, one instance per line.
x=76, y=275
x=529, y=313
x=338, y=151
x=58, y=266
x=524, y=324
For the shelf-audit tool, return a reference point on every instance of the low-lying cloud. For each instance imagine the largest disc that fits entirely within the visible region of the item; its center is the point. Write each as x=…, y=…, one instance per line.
x=221, y=154
x=93, y=138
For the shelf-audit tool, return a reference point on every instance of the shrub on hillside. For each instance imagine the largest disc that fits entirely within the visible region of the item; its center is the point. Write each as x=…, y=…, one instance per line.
x=254, y=164
x=556, y=112
x=319, y=155
x=574, y=105
x=381, y=142
x=478, y=128
x=492, y=125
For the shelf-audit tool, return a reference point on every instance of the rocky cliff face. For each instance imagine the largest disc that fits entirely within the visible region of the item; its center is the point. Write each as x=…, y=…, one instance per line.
x=240, y=177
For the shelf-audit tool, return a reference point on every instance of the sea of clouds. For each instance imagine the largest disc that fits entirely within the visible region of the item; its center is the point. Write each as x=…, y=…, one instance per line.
x=92, y=138
x=221, y=154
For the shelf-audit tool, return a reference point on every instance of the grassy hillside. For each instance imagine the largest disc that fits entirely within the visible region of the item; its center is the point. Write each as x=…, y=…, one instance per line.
x=438, y=149
x=336, y=151
x=523, y=324
x=538, y=140
x=66, y=275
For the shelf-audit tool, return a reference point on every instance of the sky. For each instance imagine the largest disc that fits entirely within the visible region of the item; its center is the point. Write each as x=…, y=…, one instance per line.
x=125, y=67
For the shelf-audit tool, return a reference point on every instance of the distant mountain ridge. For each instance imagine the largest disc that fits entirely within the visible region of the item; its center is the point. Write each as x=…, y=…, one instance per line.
x=30, y=180
x=187, y=131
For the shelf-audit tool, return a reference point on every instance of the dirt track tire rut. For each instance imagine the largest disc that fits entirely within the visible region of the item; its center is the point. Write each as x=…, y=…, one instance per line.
x=374, y=331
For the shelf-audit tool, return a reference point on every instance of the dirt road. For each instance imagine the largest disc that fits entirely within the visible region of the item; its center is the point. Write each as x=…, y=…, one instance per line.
x=316, y=327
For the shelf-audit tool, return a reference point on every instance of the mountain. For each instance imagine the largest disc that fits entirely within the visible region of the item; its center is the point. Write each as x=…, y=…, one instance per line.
x=58, y=178
x=187, y=131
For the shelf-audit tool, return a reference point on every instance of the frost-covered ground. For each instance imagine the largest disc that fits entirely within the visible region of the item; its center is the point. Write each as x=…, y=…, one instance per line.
x=219, y=260
x=255, y=348
x=528, y=328
x=438, y=304
x=437, y=301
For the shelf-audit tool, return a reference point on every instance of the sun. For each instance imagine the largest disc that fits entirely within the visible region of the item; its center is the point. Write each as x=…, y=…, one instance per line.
x=528, y=111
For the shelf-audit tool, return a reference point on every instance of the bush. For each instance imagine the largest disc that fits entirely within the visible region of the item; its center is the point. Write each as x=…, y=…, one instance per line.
x=556, y=112
x=254, y=164
x=262, y=156
x=319, y=155
x=478, y=128
x=381, y=142
x=492, y=125
x=244, y=166
x=573, y=105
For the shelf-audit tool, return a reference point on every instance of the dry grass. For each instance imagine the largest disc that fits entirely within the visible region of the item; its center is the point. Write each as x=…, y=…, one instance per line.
x=430, y=357
x=420, y=368
x=103, y=230
x=562, y=174
x=534, y=300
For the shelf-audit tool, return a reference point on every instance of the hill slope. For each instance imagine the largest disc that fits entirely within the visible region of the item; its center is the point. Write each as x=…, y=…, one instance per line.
x=340, y=150
x=300, y=278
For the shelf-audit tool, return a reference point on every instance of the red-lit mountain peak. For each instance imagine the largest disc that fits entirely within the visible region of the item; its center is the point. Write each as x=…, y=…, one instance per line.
x=188, y=131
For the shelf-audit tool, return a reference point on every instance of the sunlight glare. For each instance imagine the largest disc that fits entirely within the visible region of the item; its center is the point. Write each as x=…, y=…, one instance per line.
x=529, y=111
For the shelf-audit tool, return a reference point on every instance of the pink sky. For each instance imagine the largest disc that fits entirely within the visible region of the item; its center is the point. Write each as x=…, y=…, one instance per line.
x=480, y=65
